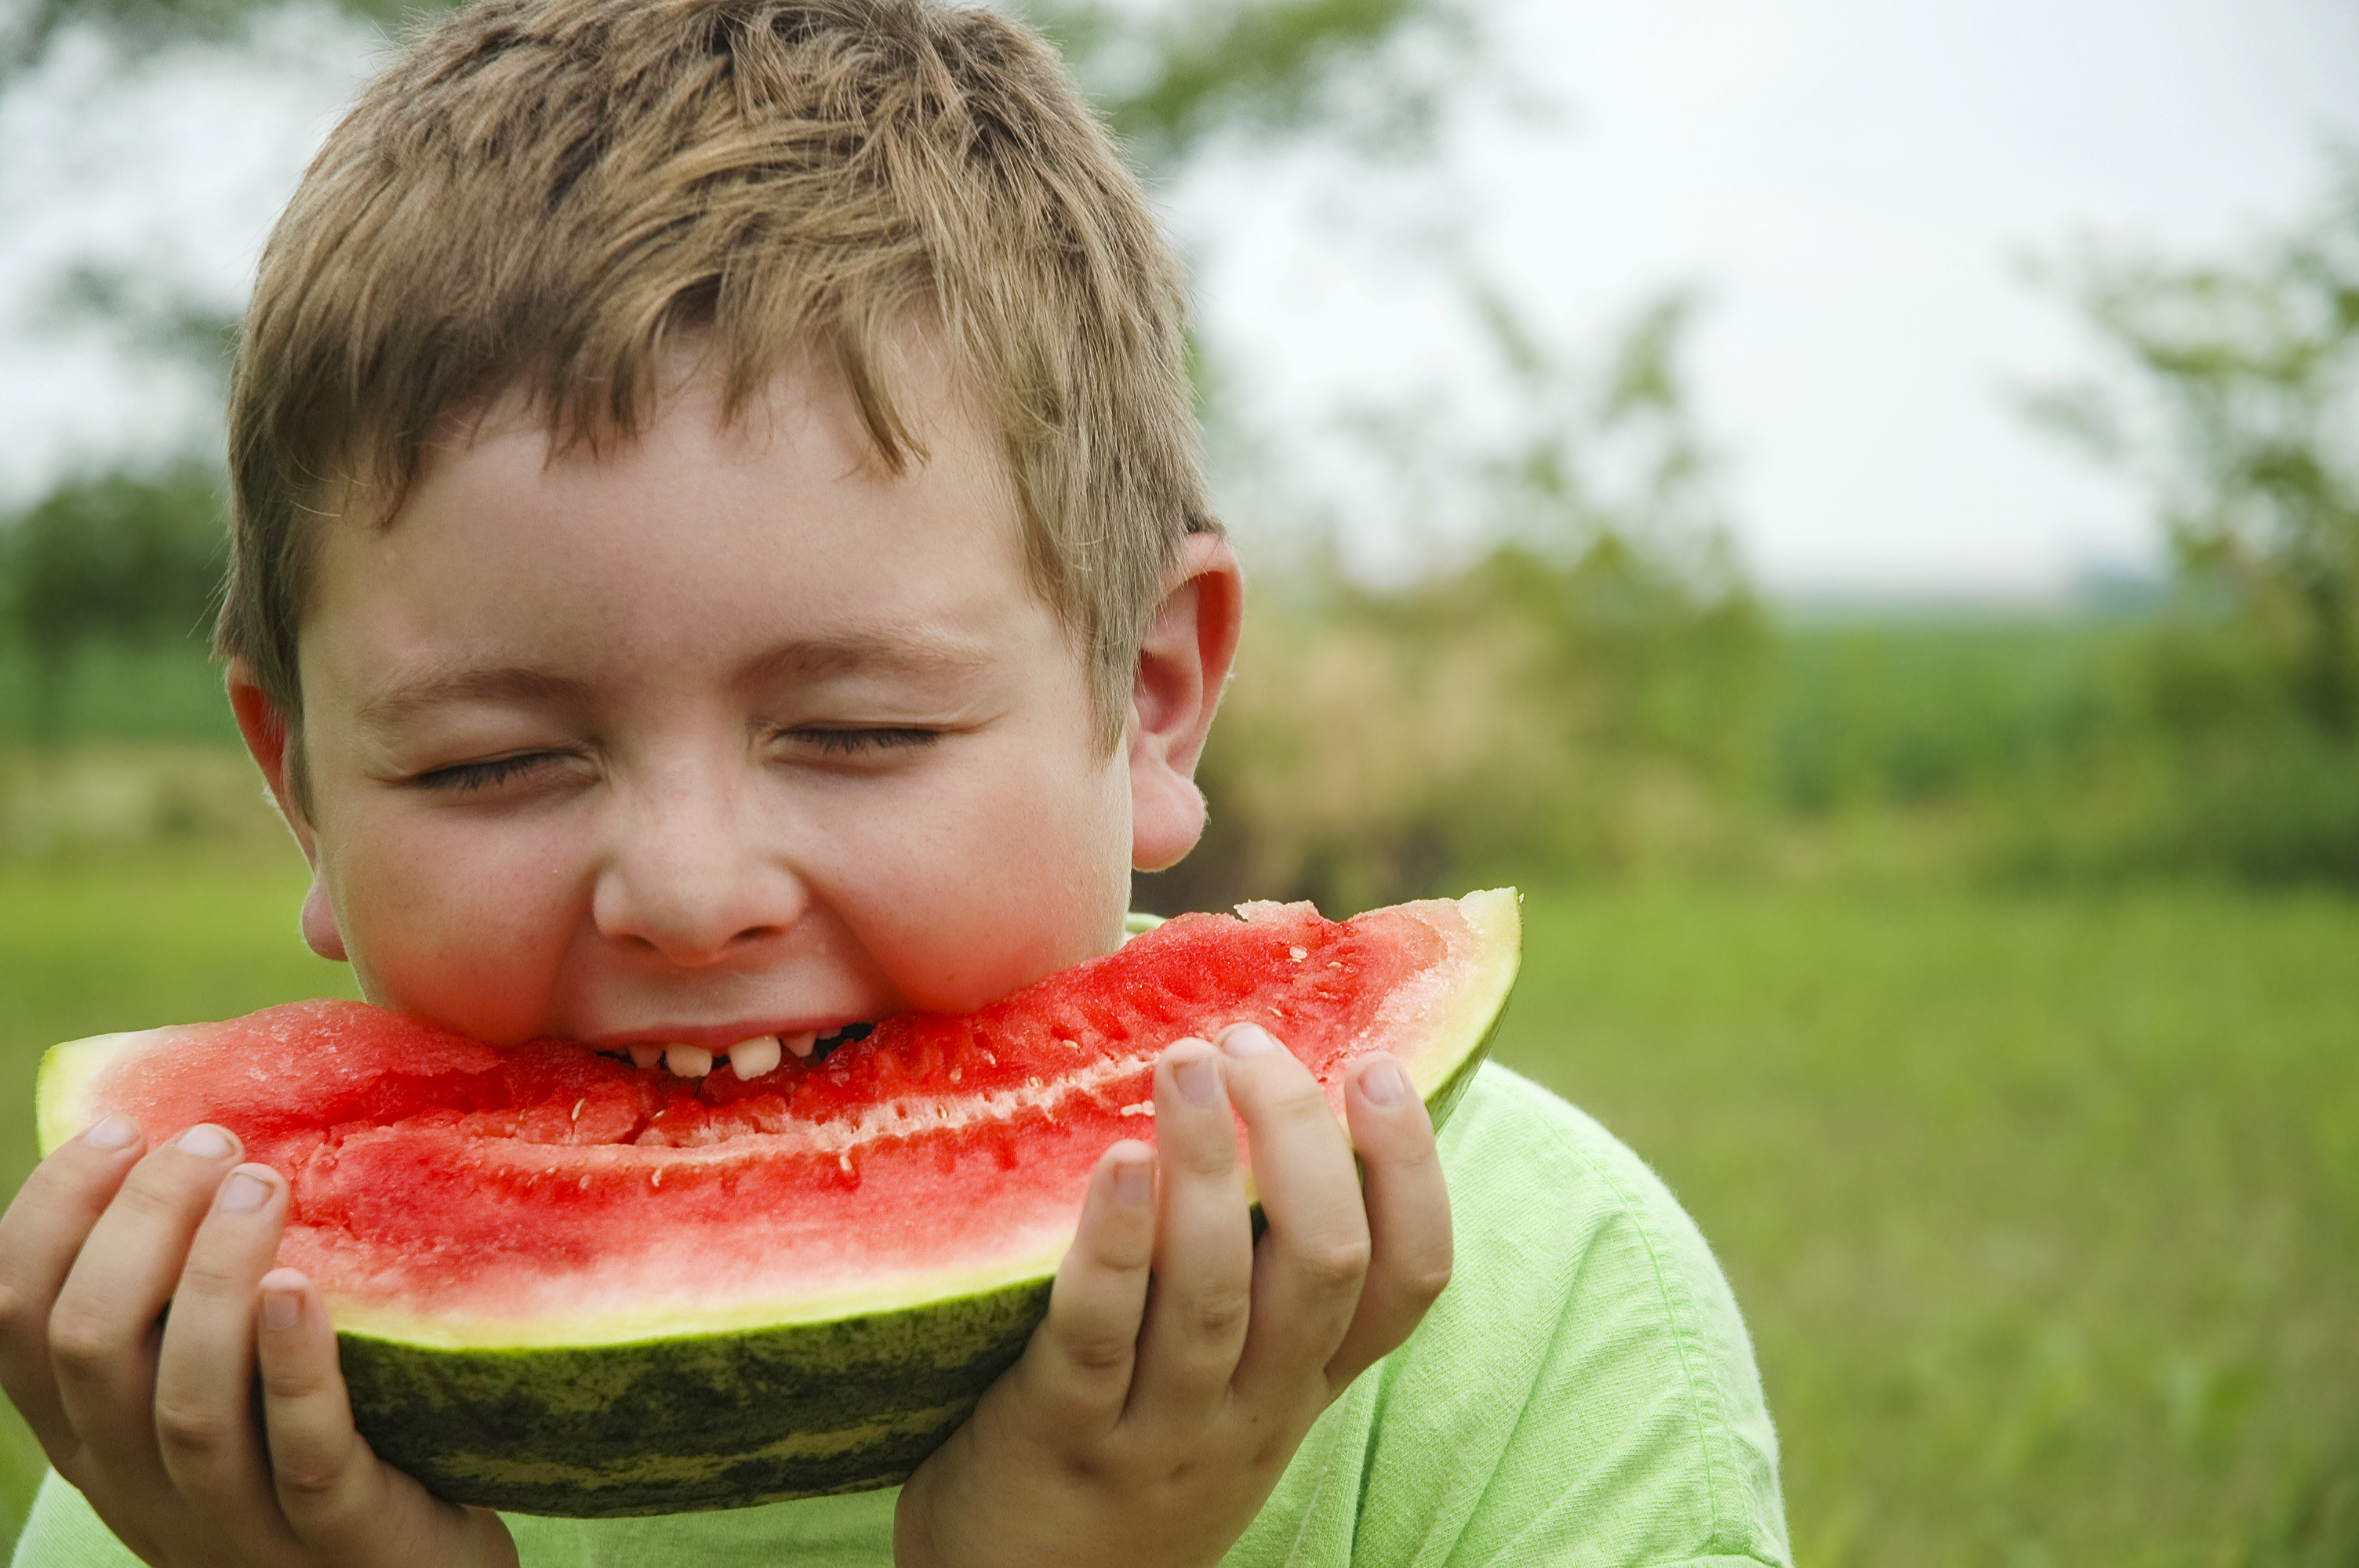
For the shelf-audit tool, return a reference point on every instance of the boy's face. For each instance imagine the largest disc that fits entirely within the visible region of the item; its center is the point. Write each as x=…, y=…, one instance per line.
x=724, y=733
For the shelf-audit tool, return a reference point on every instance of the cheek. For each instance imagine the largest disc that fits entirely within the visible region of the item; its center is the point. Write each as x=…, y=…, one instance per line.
x=462, y=929
x=986, y=886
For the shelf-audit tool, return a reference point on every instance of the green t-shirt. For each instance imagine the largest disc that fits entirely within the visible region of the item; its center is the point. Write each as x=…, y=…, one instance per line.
x=1583, y=1393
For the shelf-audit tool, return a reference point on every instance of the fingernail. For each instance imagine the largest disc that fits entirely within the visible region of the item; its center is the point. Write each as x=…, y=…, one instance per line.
x=1248, y=1040
x=114, y=1132
x=1384, y=1084
x=1198, y=1079
x=1134, y=1182
x=243, y=1193
x=280, y=1308
x=207, y=1141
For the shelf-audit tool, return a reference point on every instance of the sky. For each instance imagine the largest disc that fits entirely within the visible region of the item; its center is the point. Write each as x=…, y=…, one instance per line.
x=1856, y=193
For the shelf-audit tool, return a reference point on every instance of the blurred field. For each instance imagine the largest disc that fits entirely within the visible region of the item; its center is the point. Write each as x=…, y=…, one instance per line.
x=2044, y=1206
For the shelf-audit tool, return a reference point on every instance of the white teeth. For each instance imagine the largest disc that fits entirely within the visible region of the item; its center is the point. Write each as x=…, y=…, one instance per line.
x=752, y=1058
x=800, y=1044
x=646, y=1056
x=687, y=1061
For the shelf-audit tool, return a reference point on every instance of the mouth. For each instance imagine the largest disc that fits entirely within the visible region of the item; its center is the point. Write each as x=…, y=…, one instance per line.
x=697, y=1055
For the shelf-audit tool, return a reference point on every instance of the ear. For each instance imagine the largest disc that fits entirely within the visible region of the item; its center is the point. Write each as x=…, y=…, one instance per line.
x=267, y=736
x=1183, y=660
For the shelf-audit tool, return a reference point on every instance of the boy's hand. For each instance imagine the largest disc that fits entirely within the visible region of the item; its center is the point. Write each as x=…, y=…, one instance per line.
x=1145, y=1428
x=153, y=1416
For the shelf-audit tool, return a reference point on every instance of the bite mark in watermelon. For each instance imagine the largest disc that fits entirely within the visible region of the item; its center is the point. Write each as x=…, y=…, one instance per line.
x=565, y=1285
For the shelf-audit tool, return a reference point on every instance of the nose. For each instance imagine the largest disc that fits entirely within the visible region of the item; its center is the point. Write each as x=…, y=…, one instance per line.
x=687, y=874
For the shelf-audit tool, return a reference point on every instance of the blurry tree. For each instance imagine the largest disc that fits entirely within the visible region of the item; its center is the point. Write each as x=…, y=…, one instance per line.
x=2239, y=411
x=2234, y=400
x=122, y=558
x=1169, y=78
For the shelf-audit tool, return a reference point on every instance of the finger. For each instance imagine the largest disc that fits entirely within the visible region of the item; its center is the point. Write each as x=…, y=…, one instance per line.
x=1078, y=1367
x=1313, y=1257
x=204, y=1373
x=1408, y=1206
x=40, y=1235
x=1201, y=1293
x=102, y=1330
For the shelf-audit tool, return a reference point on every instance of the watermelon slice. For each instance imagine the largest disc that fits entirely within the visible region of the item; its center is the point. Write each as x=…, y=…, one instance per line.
x=565, y=1285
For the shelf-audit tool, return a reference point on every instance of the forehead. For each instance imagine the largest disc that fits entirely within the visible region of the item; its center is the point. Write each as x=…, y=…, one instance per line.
x=780, y=525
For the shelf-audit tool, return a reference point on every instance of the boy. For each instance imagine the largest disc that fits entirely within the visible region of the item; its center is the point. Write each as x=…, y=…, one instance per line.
x=721, y=557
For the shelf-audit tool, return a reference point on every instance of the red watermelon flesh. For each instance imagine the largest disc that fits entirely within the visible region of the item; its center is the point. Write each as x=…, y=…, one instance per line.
x=445, y=1191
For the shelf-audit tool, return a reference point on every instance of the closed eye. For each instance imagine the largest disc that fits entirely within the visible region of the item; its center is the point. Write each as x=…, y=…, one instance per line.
x=855, y=742
x=465, y=777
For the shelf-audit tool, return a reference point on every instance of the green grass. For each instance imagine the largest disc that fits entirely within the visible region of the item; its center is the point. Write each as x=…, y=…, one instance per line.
x=2044, y=1208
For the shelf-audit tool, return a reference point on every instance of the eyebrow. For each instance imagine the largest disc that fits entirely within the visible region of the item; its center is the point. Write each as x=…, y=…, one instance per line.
x=435, y=688
x=917, y=654
x=916, y=651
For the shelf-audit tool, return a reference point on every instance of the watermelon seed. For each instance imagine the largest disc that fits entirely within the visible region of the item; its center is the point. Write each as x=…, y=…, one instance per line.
x=655, y=1180
x=1298, y=954
x=585, y=1180
x=1144, y=1107
x=577, y=1106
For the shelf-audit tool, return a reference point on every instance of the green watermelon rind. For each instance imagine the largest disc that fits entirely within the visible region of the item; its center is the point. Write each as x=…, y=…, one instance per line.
x=688, y=1423
x=671, y=1423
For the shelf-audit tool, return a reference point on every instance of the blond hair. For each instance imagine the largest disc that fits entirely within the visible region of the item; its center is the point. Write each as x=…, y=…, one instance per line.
x=539, y=195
